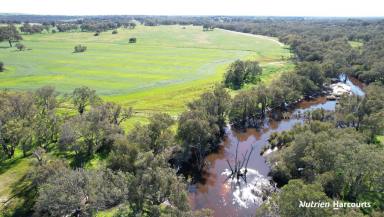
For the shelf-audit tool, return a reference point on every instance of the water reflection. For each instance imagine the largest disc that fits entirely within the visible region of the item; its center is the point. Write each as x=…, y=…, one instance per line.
x=227, y=198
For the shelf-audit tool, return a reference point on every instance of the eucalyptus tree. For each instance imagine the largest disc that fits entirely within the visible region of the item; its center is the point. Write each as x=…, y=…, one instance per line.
x=242, y=72
x=10, y=34
x=83, y=97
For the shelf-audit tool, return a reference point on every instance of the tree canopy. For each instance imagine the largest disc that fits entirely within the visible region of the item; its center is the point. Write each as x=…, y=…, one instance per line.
x=10, y=34
x=242, y=72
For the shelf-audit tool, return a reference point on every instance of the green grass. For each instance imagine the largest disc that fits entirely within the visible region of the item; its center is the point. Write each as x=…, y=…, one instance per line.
x=107, y=213
x=355, y=44
x=167, y=67
x=381, y=139
x=12, y=182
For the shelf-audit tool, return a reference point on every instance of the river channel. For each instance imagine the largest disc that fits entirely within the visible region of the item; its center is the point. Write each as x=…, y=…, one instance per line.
x=225, y=197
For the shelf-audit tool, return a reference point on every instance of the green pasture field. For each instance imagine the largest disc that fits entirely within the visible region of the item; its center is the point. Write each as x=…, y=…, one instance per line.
x=167, y=67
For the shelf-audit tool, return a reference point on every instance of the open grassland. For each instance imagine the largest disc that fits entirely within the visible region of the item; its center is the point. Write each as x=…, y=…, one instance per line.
x=168, y=66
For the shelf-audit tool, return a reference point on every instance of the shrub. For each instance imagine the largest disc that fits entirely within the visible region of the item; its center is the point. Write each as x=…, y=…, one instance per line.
x=132, y=40
x=54, y=31
x=20, y=47
x=115, y=32
x=1, y=66
x=97, y=33
x=80, y=48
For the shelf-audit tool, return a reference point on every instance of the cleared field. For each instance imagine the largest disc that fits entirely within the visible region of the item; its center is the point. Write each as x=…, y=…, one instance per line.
x=356, y=44
x=168, y=66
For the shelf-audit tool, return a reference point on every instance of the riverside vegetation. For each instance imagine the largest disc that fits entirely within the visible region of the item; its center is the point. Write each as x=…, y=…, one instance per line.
x=82, y=161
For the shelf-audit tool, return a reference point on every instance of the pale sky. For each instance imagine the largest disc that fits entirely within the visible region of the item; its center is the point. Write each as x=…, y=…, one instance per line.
x=338, y=8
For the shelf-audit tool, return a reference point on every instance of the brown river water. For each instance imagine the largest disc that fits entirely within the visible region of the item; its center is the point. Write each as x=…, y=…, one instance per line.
x=225, y=197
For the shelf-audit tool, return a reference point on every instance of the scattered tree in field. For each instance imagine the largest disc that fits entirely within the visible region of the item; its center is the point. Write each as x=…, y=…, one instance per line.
x=242, y=72
x=114, y=32
x=130, y=25
x=20, y=47
x=1, y=66
x=80, y=48
x=132, y=40
x=83, y=97
x=97, y=33
x=207, y=27
x=10, y=33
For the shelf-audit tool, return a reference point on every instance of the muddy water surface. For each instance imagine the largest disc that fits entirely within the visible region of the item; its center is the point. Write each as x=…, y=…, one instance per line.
x=225, y=197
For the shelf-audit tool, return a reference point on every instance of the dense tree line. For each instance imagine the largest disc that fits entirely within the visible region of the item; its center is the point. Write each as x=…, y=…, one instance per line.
x=67, y=27
x=99, y=26
x=335, y=154
x=250, y=106
x=325, y=41
x=31, y=29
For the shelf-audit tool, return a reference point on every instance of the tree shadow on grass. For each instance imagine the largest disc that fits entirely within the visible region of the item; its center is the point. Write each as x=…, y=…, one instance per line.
x=7, y=164
x=82, y=159
x=22, y=198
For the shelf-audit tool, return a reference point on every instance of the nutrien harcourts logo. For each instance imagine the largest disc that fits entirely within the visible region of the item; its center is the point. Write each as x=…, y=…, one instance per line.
x=335, y=204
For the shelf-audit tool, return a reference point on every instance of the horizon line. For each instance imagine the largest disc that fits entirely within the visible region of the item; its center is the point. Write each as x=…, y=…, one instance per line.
x=188, y=15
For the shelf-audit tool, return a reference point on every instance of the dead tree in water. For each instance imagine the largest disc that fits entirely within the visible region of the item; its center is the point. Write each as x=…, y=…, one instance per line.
x=236, y=171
